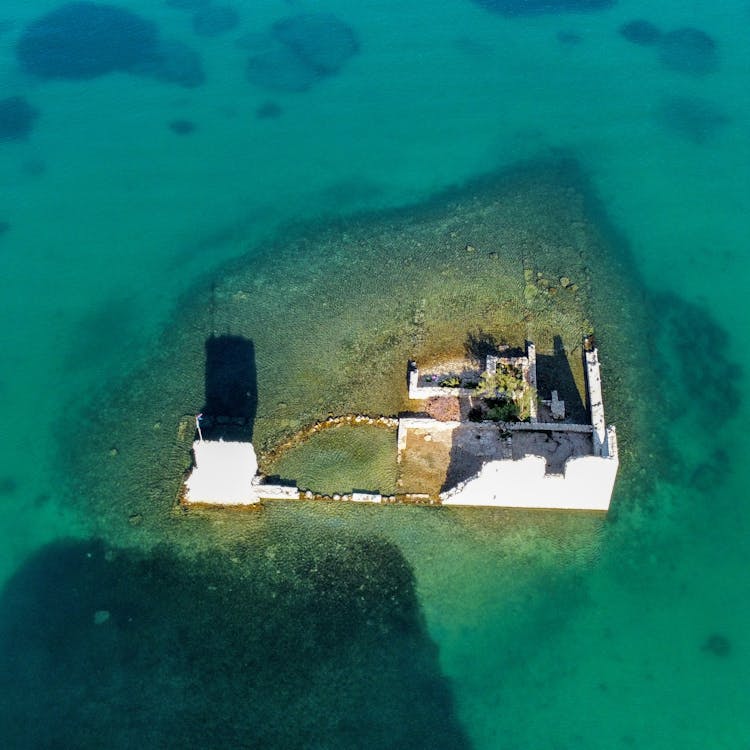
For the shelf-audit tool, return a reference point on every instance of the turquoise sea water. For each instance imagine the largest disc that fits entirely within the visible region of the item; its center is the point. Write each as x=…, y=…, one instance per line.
x=110, y=215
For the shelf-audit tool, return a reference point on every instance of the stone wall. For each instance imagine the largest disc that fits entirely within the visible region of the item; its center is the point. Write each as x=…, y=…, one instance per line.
x=527, y=364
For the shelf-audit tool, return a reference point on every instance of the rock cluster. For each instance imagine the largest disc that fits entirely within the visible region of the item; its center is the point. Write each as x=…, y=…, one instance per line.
x=537, y=284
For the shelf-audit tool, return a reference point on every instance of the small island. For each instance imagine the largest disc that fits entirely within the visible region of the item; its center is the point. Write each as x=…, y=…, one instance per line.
x=322, y=362
x=483, y=436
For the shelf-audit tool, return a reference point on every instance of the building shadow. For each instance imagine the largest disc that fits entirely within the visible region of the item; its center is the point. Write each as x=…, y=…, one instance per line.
x=466, y=454
x=478, y=344
x=231, y=389
x=553, y=372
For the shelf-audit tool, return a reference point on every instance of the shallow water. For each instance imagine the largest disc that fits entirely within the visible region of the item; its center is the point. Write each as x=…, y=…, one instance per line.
x=343, y=459
x=529, y=630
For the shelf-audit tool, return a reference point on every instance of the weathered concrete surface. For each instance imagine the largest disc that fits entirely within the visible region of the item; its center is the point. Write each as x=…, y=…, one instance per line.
x=586, y=484
x=596, y=405
x=223, y=473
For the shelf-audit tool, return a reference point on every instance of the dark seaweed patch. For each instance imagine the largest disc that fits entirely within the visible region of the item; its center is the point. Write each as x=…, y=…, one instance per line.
x=4, y=227
x=688, y=50
x=301, y=50
x=698, y=375
x=182, y=127
x=268, y=111
x=321, y=40
x=34, y=167
x=717, y=644
x=640, y=32
x=695, y=119
x=187, y=4
x=279, y=69
x=84, y=40
x=214, y=20
x=569, y=37
x=8, y=485
x=16, y=118
x=173, y=62
x=535, y=7
x=101, y=334
x=709, y=474
x=310, y=640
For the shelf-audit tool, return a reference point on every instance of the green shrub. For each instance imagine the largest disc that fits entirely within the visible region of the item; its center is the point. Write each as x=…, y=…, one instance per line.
x=505, y=411
x=524, y=404
x=451, y=381
x=503, y=384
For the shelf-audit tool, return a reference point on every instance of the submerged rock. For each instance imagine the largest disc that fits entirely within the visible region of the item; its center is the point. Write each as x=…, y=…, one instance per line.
x=697, y=120
x=268, y=111
x=16, y=118
x=717, y=644
x=84, y=40
x=688, y=50
x=34, y=167
x=569, y=37
x=8, y=485
x=640, y=32
x=182, y=127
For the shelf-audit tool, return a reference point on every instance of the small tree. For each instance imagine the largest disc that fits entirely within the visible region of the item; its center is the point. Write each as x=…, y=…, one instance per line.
x=506, y=394
x=500, y=386
x=505, y=411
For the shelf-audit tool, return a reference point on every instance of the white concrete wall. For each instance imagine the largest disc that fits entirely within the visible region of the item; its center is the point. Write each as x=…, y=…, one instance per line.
x=596, y=403
x=532, y=381
x=423, y=392
x=586, y=485
x=223, y=473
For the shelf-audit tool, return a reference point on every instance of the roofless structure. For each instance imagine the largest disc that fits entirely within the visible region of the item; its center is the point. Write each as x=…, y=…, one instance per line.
x=483, y=436
x=541, y=461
